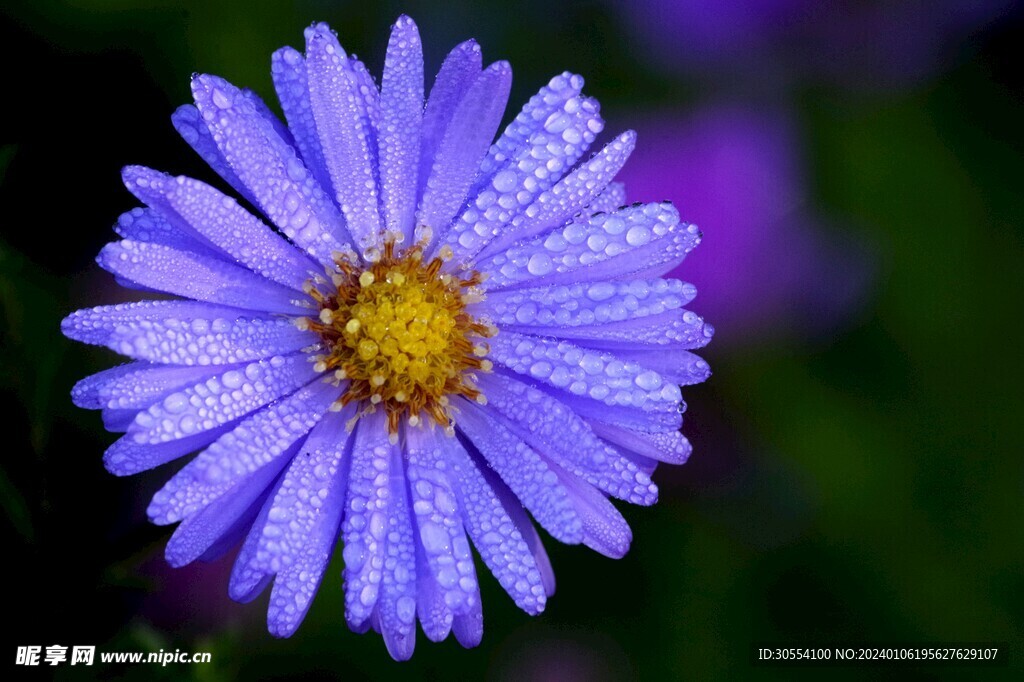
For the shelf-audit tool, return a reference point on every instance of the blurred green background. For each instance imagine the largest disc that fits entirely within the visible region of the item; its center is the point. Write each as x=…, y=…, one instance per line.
x=857, y=472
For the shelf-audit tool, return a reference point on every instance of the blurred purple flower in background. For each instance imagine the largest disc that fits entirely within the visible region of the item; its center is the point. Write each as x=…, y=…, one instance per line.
x=871, y=45
x=765, y=267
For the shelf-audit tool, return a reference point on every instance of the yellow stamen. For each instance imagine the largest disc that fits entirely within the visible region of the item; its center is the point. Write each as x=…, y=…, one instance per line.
x=397, y=330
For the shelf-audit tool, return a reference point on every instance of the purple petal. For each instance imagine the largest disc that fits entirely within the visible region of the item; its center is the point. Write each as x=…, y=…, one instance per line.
x=524, y=471
x=126, y=456
x=458, y=72
x=222, y=222
x=557, y=107
x=568, y=197
x=201, y=530
x=283, y=188
x=269, y=116
x=88, y=392
x=525, y=526
x=401, y=103
x=494, y=533
x=556, y=433
x=611, y=199
x=303, y=522
x=147, y=225
x=435, y=616
x=117, y=420
x=580, y=371
x=469, y=627
x=185, y=333
x=673, y=364
x=464, y=144
x=251, y=572
x=160, y=268
x=438, y=521
x=650, y=417
x=135, y=385
x=634, y=242
x=604, y=529
x=236, y=457
x=547, y=137
x=193, y=129
x=575, y=305
x=396, y=609
x=664, y=446
x=345, y=134
x=672, y=329
x=366, y=519
x=288, y=69
x=247, y=580
x=221, y=399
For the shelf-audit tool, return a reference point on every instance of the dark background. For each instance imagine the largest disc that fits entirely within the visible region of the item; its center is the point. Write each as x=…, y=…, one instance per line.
x=857, y=471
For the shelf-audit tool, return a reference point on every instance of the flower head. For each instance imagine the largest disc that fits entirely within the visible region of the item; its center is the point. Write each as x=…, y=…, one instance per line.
x=428, y=336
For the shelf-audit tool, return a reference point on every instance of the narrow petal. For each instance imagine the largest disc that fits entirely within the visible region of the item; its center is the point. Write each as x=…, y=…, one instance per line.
x=610, y=200
x=550, y=134
x=650, y=417
x=221, y=399
x=495, y=535
x=345, y=134
x=531, y=536
x=282, y=187
x=116, y=420
x=604, y=529
x=136, y=385
x=634, y=242
x=127, y=456
x=193, y=129
x=201, y=530
x=469, y=627
x=673, y=364
x=525, y=472
x=556, y=108
x=435, y=617
x=396, y=609
x=365, y=525
x=269, y=116
x=667, y=446
x=553, y=430
x=401, y=103
x=147, y=225
x=259, y=559
x=458, y=73
x=304, y=521
x=439, y=521
x=248, y=580
x=672, y=330
x=464, y=144
x=219, y=220
x=581, y=371
x=215, y=281
x=288, y=70
x=568, y=197
x=235, y=458
x=580, y=304
x=185, y=333
x=87, y=392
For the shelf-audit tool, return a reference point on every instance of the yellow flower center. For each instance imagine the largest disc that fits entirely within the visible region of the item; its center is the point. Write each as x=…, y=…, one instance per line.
x=397, y=330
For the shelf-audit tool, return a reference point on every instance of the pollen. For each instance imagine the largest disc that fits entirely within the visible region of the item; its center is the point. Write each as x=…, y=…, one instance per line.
x=398, y=331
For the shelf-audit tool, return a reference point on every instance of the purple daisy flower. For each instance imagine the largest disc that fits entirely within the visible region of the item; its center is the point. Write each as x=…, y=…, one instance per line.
x=441, y=335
